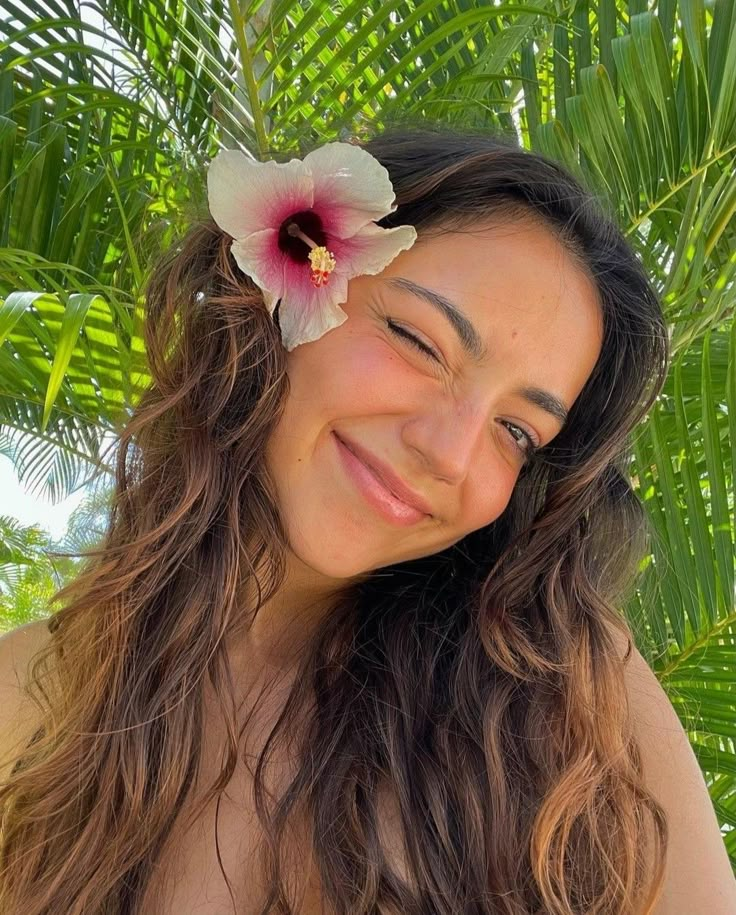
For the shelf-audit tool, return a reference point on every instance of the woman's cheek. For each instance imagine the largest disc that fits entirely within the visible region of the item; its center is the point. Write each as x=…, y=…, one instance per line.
x=490, y=497
x=374, y=372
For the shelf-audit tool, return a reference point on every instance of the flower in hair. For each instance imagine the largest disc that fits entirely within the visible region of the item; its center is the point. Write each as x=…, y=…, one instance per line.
x=301, y=229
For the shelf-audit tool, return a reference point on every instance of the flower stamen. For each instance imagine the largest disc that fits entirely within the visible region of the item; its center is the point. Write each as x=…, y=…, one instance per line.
x=323, y=261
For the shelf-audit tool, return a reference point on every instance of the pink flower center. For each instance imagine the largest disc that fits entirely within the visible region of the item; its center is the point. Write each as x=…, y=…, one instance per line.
x=309, y=224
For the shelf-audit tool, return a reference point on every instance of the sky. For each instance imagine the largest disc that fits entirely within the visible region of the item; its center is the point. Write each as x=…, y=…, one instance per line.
x=28, y=509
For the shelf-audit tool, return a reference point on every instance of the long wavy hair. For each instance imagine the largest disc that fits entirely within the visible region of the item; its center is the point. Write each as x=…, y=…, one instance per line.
x=479, y=687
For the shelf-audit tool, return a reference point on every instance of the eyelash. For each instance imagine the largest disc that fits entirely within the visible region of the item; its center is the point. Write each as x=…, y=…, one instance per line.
x=414, y=341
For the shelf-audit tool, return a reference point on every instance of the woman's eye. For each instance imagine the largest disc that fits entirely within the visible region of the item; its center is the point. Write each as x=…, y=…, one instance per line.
x=527, y=450
x=412, y=339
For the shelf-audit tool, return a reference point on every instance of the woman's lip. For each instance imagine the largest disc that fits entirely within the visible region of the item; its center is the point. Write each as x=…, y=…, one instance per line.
x=386, y=475
x=374, y=491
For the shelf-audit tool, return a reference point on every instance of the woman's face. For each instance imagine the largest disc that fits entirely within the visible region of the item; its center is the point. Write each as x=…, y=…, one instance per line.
x=451, y=426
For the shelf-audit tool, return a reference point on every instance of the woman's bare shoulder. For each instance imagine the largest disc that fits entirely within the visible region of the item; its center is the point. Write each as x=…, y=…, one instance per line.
x=698, y=873
x=18, y=646
x=17, y=649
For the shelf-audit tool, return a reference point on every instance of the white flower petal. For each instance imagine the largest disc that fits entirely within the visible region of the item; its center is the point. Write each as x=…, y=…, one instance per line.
x=351, y=187
x=372, y=249
x=259, y=257
x=247, y=196
x=307, y=312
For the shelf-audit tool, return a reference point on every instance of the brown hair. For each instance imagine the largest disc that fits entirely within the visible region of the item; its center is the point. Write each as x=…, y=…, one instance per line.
x=480, y=685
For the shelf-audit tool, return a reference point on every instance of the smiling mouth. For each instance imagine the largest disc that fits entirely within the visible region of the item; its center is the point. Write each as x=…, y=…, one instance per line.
x=388, y=478
x=375, y=491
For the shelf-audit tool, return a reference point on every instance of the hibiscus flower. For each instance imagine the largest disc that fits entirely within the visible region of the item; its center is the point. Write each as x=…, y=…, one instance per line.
x=301, y=229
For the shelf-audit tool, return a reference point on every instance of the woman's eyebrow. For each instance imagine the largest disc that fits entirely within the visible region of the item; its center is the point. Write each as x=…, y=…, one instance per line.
x=473, y=344
x=545, y=400
x=470, y=339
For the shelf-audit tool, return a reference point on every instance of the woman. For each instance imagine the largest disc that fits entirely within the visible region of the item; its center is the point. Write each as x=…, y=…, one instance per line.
x=354, y=637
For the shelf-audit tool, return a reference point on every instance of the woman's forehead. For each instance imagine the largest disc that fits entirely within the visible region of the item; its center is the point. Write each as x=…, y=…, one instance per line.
x=510, y=294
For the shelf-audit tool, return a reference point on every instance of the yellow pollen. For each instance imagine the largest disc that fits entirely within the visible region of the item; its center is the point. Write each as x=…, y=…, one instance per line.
x=323, y=263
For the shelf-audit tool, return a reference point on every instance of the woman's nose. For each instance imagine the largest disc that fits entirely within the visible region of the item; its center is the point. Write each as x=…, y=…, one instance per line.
x=447, y=439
